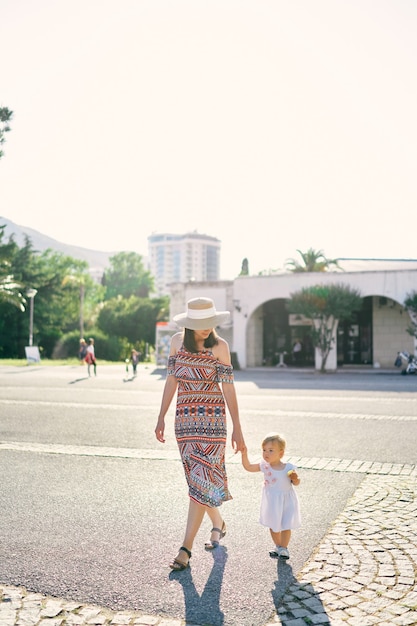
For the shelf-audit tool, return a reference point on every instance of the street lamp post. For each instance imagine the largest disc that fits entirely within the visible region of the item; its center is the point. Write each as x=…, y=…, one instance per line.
x=31, y=293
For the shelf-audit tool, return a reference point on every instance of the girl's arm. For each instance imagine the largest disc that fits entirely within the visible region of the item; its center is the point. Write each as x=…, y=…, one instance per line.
x=250, y=467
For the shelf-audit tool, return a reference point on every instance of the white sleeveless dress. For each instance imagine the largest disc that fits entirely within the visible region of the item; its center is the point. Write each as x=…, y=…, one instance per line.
x=280, y=507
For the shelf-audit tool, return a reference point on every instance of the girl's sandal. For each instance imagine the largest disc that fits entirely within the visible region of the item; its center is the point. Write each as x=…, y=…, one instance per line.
x=210, y=545
x=178, y=565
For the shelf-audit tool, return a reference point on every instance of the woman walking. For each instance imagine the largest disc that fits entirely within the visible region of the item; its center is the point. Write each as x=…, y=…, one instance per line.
x=200, y=369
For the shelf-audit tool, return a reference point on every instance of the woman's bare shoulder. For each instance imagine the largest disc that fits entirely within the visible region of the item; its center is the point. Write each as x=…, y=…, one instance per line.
x=221, y=351
x=176, y=343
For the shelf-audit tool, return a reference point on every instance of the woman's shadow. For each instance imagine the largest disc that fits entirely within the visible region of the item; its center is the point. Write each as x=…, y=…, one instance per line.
x=204, y=609
x=292, y=598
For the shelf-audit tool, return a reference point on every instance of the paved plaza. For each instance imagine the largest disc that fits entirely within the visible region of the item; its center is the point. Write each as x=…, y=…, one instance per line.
x=353, y=563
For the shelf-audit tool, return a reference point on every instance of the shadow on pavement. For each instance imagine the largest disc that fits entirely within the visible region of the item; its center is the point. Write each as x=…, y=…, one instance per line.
x=204, y=609
x=78, y=380
x=302, y=594
x=159, y=371
x=367, y=379
x=358, y=380
x=129, y=380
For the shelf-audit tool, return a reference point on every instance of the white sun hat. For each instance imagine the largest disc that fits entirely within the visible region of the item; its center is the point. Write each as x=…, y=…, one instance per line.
x=201, y=314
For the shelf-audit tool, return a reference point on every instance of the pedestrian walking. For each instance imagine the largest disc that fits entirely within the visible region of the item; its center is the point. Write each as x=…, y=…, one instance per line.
x=134, y=357
x=297, y=352
x=82, y=352
x=201, y=372
x=90, y=357
x=280, y=509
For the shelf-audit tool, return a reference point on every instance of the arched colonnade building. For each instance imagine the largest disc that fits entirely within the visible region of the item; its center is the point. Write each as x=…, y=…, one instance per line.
x=261, y=332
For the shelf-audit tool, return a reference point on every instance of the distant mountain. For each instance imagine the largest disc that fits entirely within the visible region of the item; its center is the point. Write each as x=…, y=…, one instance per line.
x=97, y=261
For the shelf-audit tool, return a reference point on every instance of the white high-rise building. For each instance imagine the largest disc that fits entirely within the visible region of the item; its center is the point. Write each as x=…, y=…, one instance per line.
x=182, y=258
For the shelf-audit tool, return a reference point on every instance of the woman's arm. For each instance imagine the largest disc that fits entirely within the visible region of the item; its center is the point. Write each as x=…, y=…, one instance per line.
x=169, y=391
x=222, y=353
x=230, y=397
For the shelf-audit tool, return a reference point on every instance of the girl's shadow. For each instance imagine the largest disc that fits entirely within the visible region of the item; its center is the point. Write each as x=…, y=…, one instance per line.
x=288, y=592
x=204, y=609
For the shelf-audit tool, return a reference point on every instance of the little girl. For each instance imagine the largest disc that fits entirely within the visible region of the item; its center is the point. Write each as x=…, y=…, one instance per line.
x=280, y=509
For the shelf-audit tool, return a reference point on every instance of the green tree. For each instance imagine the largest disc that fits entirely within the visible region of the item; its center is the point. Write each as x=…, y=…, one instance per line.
x=5, y=117
x=133, y=318
x=127, y=277
x=55, y=311
x=58, y=299
x=10, y=289
x=312, y=261
x=14, y=320
x=325, y=305
x=56, y=306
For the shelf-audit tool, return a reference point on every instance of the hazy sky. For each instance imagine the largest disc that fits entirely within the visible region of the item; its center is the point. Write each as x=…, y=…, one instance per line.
x=272, y=125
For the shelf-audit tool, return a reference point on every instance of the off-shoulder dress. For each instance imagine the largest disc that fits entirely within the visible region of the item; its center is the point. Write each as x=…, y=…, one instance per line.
x=200, y=423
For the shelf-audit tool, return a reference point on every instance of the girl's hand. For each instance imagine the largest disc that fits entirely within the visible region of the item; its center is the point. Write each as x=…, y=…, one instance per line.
x=293, y=476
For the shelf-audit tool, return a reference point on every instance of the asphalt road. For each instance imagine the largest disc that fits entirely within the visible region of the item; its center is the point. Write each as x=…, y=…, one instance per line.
x=92, y=507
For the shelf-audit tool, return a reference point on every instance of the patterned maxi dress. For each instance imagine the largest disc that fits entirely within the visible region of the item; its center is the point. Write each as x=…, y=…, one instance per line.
x=200, y=423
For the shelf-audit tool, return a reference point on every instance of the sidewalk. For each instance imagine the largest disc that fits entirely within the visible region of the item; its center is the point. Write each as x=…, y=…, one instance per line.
x=362, y=573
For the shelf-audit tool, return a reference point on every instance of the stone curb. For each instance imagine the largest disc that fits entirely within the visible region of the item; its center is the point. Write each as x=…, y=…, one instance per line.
x=315, y=463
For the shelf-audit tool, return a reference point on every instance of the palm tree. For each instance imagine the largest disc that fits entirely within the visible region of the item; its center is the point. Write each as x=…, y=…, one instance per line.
x=10, y=290
x=79, y=278
x=312, y=261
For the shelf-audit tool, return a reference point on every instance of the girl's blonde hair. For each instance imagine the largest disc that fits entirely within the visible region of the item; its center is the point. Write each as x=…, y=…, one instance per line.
x=275, y=437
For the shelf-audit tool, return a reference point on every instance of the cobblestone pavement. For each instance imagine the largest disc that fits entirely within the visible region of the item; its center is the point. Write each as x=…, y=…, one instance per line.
x=362, y=573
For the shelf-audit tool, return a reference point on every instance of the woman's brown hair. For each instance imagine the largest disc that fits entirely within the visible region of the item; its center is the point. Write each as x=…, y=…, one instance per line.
x=190, y=344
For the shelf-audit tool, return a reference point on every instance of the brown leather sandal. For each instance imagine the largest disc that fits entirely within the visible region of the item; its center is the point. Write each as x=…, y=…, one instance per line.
x=210, y=545
x=178, y=565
